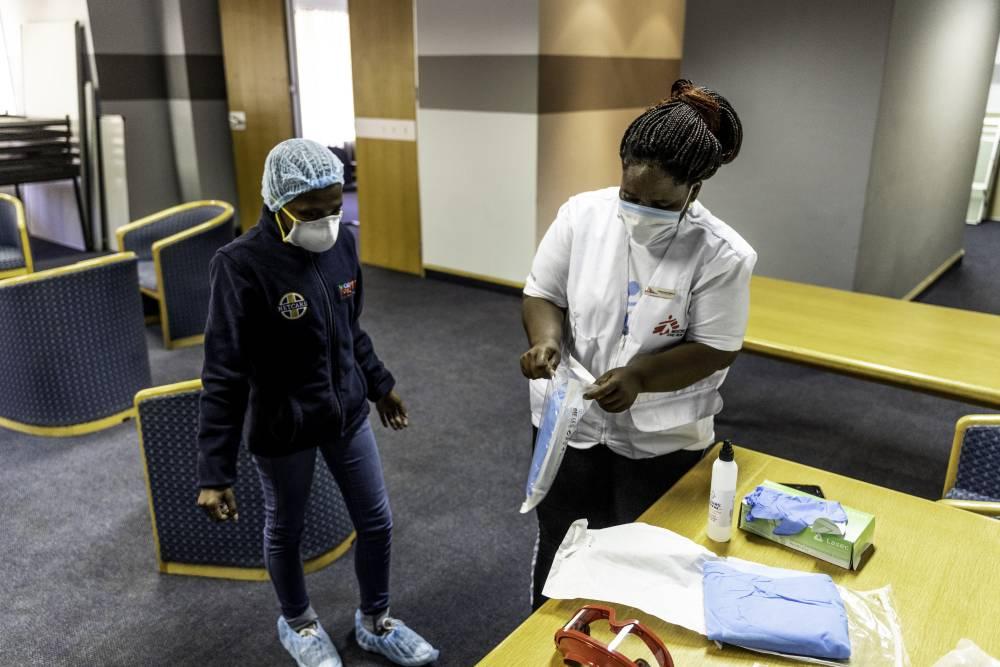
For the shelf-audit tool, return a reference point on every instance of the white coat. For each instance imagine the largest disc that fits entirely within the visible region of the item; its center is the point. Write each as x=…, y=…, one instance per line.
x=699, y=292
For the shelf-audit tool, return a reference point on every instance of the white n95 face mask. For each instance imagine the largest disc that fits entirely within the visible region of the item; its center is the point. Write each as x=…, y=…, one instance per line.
x=646, y=225
x=314, y=235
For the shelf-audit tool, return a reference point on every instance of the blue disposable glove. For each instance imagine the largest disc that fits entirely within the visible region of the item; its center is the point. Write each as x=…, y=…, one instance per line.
x=793, y=513
x=802, y=614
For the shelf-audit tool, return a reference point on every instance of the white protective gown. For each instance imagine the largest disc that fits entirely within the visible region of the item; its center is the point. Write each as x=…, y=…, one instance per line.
x=694, y=287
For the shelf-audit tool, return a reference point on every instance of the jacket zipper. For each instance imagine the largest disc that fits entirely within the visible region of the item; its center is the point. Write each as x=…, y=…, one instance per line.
x=331, y=328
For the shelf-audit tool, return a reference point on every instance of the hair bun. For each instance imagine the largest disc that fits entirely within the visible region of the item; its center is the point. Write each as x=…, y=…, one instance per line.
x=717, y=113
x=679, y=87
x=702, y=100
x=689, y=135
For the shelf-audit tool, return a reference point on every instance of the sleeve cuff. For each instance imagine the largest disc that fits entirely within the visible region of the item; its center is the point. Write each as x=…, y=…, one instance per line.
x=213, y=475
x=533, y=291
x=381, y=389
x=723, y=344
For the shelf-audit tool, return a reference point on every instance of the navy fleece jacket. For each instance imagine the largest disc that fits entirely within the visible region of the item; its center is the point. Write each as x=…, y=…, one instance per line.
x=287, y=364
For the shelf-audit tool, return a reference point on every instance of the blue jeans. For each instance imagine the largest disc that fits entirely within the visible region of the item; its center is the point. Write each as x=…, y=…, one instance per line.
x=286, y=482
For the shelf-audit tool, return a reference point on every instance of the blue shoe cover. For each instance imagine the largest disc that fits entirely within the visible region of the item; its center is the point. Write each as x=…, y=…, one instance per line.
x=311, y=650
x=401, y=645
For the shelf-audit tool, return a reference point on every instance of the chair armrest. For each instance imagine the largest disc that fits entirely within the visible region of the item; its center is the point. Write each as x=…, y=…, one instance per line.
x=17, y=234
x=983, y=507
x=141, y=235
x=192, y=233
x=197, y=245
x=181, y=262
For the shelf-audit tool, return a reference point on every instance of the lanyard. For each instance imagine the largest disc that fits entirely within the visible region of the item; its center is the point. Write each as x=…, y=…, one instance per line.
x=629, y=274
x=628, y=261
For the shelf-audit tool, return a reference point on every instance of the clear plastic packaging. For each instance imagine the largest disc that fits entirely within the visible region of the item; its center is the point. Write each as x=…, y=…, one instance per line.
x=561, y=413
x=876, y=635
x=967, y=654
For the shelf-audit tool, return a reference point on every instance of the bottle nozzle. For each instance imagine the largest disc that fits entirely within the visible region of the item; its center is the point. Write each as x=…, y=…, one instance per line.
x=727, y=451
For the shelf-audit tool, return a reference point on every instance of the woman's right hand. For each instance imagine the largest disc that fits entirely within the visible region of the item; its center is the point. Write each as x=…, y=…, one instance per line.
x=219, y=504
x=541, y=360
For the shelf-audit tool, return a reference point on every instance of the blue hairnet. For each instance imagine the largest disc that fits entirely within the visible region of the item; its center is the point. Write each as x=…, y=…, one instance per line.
x=296, y=166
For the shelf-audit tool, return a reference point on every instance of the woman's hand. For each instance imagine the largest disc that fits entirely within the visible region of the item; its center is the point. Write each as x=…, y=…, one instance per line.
x=616, y=390
x=392, y=411
x=541, y=361
x=219, y=504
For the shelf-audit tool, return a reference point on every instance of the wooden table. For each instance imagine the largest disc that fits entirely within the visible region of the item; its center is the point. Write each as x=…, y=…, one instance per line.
x=942, y=591
x=944, y=351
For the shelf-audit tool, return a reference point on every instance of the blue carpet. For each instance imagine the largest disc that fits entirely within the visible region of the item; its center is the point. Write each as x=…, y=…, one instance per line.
x=974, y=283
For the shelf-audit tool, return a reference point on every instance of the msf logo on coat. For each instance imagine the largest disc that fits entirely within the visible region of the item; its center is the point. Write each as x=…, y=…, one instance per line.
x=669, y=327
x=292, y=306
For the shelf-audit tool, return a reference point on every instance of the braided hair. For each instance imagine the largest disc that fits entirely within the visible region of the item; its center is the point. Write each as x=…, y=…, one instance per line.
x=689, y=134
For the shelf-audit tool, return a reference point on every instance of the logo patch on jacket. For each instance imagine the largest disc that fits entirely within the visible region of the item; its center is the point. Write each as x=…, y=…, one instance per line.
x=292, y=306
x=347, y=289
x=669, y=327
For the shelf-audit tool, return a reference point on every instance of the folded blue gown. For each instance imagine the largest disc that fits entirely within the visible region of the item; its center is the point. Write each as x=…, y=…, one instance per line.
x=794, y=513
x=546, y=427
x=798, y=615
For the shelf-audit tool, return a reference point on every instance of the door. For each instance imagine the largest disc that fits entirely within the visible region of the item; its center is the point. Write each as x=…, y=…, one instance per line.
x=382, y=56
x=255, y=49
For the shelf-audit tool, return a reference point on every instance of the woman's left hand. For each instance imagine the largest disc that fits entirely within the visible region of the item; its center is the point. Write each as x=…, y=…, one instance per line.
x=392, y=411
x=616, y=390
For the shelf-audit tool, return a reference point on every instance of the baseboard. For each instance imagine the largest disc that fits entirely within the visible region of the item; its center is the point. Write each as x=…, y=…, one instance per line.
x=473, y=280
x=932, y=278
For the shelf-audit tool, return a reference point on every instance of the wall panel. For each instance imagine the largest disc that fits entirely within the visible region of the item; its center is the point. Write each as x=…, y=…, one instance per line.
x=384, y=62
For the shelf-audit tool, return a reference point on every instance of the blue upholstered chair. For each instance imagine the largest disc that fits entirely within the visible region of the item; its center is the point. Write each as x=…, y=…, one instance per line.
x=174, y=248
x=72, y=347
x=15, y=251
x=186, y=540
x=973, y=479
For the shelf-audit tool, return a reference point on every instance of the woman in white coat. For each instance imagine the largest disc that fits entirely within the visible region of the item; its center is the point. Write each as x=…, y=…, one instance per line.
x=650, y=292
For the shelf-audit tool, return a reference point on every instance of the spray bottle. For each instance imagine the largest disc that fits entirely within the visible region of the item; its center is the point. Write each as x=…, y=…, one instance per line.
x=723, y=493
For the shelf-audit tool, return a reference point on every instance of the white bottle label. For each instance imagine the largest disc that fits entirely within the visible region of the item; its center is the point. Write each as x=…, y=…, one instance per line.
x=720, y=508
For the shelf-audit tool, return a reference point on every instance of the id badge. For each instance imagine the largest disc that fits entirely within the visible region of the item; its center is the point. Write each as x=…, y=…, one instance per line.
x=660, y=292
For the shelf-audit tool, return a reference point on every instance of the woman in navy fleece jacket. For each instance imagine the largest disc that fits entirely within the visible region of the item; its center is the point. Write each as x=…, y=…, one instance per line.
x=285, y=355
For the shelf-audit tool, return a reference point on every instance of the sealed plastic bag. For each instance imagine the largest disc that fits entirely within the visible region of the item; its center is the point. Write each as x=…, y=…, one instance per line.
x=967, y=654
x=873, y=630
x=561, y=413
x=775, y=610
x=876, y=636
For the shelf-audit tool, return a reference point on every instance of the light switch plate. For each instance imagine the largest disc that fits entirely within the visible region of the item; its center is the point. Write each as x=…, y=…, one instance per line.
x=238, y=120
x=391, y=129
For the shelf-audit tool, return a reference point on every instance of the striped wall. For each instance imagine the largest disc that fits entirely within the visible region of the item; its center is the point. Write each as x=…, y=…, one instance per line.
x=603, y=62
x=520, y=107
x=477, y=128
x=159, y=65
x=477, y=192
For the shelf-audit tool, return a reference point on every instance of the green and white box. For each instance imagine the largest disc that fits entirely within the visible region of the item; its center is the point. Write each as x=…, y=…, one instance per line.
x=847, y=550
